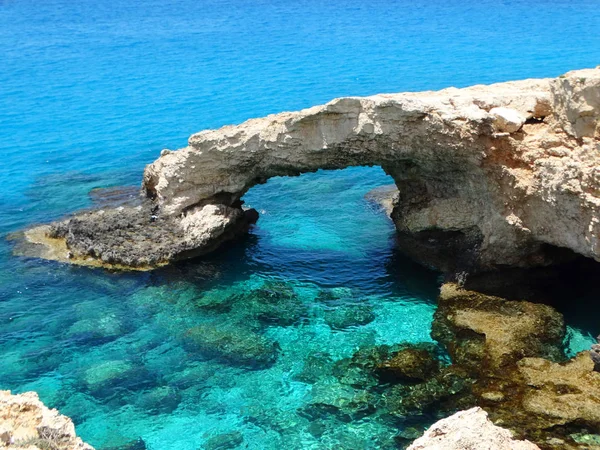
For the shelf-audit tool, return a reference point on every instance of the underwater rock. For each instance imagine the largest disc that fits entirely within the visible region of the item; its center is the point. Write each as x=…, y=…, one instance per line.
x=342, y=402
x=113, y=197
x=96, y=331
x=360, y=371
x=275, y=303
x=466, y=430
x=25, y=422
x=316, y=366
x=103, y=378
x=512, y=353
x=447, y=391
x=409, y=364
x=486, y=333
x=159, y=400
x=342, y=317
x=233, y=344
x=272, y=303
x=224, y=441
x=488, y=177
x=137, y=444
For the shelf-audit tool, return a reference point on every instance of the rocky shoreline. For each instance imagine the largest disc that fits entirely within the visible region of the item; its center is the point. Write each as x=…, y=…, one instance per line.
x=490, y=180
x=504, y=175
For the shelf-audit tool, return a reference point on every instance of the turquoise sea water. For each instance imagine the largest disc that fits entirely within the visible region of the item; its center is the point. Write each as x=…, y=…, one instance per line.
x=92, y=91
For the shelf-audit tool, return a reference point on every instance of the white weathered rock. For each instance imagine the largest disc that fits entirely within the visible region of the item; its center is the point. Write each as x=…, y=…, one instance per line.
x=27, y=423
x=507, y=119
x=469, y=430
x=506, y=194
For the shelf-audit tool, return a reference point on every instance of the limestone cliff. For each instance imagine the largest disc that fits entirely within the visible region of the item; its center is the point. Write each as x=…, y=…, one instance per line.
x=488, y=176
x=26, y=423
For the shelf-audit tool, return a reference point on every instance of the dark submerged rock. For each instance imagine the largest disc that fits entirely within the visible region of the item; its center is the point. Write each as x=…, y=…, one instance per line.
x=234, y=344
x=224, y=441
x=342, y=317
x=316, y=366
x=409, y=364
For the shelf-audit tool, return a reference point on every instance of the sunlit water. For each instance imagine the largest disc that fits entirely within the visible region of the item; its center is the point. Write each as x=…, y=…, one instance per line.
x=92, y=91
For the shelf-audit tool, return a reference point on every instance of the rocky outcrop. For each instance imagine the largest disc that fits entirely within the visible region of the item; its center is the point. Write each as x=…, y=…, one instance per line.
x=488, y=176
x=26, y=423
x=469, y=430
x=511, y=352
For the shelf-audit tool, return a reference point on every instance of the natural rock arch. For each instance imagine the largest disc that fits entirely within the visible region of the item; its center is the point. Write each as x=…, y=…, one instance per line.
x=488, y=176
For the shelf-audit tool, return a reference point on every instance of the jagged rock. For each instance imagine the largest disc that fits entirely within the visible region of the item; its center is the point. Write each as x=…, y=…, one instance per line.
x=486, y=333
x=595, y=355
x=512, y=353
x=409, y=364
x=385, y=197
x=25, y=422
x=507, y=119
x=469, y=430
x=488, y=176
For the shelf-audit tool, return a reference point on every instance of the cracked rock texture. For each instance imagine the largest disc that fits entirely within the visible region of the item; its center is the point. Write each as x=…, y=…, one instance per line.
x=488, y=176
x=26, y=423
x=469, y=430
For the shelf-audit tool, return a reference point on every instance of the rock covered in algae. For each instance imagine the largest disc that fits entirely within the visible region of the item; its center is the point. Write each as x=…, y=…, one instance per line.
x=469, y=430
x=561, y=393
x=450, y=389
x=483, y=332
x=224, y=441
x=234, y=344
x=343, y=317
x=512, y=353
x=272, y=303
x=25, y=422
x=410, y=364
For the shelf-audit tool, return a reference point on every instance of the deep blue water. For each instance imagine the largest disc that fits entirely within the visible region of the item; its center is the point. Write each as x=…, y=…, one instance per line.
x=91, y=91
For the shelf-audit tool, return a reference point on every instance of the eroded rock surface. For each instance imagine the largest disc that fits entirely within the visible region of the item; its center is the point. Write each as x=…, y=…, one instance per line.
x=512, y=354
x=469, y=430
x=488, y=176
x=26, y=423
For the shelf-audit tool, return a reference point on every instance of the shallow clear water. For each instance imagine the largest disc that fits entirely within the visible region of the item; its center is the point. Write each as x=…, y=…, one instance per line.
x=92, y=91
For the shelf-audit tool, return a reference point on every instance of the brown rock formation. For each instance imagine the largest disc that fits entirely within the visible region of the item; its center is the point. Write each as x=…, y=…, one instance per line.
x=25, y=423
x=512, y=353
